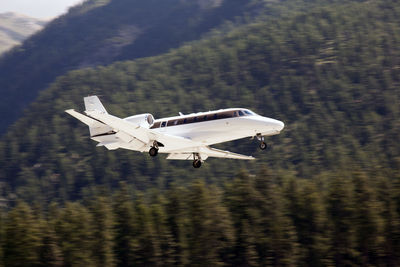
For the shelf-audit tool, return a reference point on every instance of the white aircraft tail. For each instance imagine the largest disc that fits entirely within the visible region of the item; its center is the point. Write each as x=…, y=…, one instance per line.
x=93, y=103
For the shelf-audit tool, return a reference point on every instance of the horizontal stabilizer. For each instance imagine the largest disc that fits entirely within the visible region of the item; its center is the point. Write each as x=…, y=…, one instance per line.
x=85, y=119
x=95, y=127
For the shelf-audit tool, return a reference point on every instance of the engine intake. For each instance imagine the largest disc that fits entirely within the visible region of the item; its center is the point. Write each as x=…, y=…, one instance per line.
x=144, y=120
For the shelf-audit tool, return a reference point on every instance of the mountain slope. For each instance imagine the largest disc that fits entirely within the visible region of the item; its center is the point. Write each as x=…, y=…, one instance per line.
x=15, y=28
x=99, y=32
x=331, y=74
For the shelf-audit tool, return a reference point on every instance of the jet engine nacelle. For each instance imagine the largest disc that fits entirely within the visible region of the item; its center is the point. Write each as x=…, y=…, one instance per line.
x=144, y=120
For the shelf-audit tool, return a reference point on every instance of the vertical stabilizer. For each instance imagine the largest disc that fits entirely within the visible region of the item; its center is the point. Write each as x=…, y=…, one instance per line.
x=93, y=103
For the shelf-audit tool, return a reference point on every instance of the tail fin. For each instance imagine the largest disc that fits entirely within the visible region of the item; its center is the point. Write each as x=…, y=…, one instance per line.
x=93, y=103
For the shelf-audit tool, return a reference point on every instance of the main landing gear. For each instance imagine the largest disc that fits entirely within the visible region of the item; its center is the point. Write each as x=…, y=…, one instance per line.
x=196, y=160
x=154, y=149
x=263, y=145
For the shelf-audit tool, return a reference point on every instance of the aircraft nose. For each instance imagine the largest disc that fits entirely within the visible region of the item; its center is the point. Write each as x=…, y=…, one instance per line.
x=276, y=125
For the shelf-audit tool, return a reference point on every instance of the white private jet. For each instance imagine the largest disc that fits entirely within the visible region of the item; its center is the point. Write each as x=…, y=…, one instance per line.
x=183, y=137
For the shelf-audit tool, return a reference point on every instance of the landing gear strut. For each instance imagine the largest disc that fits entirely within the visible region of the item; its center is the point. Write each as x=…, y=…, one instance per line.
x=263, y=145
x=154, y=149
x=196, y=160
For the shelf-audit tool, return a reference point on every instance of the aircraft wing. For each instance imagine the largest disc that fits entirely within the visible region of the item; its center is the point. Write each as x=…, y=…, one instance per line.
x=129, y=131
x=206, y=152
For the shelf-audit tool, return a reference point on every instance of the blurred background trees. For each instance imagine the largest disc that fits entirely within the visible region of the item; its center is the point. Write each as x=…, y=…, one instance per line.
x=251, y=221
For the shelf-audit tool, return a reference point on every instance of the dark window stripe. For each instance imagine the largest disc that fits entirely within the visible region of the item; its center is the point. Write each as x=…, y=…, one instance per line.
x=199, y=118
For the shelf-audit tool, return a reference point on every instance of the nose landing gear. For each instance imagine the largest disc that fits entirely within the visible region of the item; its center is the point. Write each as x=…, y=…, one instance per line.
x=263, y=145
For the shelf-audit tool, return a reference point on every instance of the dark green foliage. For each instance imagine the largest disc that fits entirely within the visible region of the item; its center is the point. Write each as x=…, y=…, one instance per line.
x=337, y=96
x=340, y=210
x=387, y=195
x=22, y=237
x=124, y=228
x=210, y=233
x=250, y=222
x=102, y=227
x=75, y=234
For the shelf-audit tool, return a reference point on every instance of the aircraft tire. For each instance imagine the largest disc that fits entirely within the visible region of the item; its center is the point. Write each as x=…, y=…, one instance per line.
x=153, y=151
x=197, y=163
x=263, y=145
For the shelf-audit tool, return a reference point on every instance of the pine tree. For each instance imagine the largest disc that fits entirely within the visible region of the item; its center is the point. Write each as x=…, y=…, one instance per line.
x=177, y=221
x=144, y=251
x=240, y=200
x=277, y=240
x=386, y=195
x=209, y=230
x=103, y=232
x=50, y=252
x=124, y=227
x=73, y=227
x=340, y=211
x=2, y=237
x=162, y=236
x=22, y=237
x=312, y=229
x=365, y=220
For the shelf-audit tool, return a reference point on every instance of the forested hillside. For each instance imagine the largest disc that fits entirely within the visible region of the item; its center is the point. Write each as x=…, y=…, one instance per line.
x=99, y=32
x=330, y=74
x=251, y=221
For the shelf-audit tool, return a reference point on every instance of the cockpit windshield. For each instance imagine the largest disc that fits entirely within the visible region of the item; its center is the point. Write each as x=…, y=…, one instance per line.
x=248, y=112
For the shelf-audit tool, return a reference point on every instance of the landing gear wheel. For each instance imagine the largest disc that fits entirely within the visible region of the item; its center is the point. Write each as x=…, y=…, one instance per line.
x=263, y=145
x=153, y=151
x=197, y=163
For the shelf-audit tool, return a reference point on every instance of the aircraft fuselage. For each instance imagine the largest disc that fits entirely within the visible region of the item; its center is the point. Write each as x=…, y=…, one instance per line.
x=209, y=129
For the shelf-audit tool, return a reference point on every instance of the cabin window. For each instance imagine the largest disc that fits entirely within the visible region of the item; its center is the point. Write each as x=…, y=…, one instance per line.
x=241, y=113
x=235, y=114
x=155, y=125
x=176, y=122
x=205, y=118
x=184, y=121
x=163, y=124
x=225, y=115
x=215, y=116
x=195, y=119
